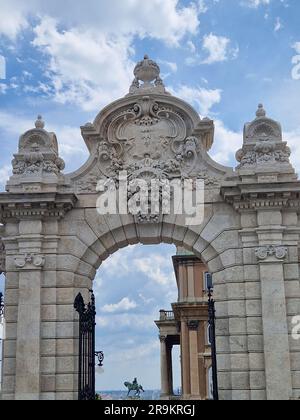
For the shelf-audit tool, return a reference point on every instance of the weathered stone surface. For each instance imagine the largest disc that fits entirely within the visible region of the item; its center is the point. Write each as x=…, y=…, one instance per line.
x=53, y=240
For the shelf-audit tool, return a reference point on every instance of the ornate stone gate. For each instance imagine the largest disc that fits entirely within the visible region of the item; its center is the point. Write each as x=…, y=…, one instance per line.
x=54, y=241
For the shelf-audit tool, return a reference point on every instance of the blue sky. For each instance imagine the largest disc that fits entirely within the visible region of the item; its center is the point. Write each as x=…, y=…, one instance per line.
x=66, y=61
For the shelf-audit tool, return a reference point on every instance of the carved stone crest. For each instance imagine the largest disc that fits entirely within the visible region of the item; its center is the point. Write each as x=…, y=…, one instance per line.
x=150, y=135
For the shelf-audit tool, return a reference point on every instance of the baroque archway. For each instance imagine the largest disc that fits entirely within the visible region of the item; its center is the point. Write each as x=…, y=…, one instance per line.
x=54, y=240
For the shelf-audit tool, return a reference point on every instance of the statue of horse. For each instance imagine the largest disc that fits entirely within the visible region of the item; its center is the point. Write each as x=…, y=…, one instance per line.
x=134, y=387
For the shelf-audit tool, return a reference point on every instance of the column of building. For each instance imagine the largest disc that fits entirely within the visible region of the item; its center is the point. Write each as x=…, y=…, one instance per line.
x=192, y=312
x=189, y=323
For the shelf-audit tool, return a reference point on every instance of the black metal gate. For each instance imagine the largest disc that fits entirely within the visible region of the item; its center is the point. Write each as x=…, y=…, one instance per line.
x=212, y=337
x=86, y=368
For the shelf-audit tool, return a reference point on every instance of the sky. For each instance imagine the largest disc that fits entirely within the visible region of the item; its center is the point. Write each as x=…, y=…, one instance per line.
x=67, y=60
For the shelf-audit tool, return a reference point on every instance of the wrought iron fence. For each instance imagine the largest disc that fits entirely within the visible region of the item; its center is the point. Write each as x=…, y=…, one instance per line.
x=212, y=339
x=86, y=368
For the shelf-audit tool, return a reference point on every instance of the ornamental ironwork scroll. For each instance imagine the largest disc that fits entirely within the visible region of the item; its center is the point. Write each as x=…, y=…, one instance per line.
x=86, y=365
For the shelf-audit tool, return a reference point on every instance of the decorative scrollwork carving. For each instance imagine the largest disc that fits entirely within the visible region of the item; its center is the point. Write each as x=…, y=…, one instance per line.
x=263, y=145
x=30, y=261
x=149, y=136
x=264, y=252
x=264, y=152
x=38, y=153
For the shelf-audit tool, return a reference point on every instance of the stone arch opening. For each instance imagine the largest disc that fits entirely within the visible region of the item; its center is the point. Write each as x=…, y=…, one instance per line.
x=189, y=317
x=53, y=240
x=131, y=287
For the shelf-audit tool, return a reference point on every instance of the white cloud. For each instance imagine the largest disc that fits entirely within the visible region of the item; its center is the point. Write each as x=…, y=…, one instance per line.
x=165, y=20
x=218, y=49
x=71, y=143
x=5, y=173
x=203, y=99
x=13, y=17
x=121, y=321
x=118, y=263
x=226, y=144
x=293, y=140
x=3, y=89
x=88, y=62
x=123, y=306
x=256, y=3
x=202, y=6
x=296, y=47
x=156, y=268
x=191, y=46
x=85, y=68
x=278, y=25
x=172, y=66
x=2, y=68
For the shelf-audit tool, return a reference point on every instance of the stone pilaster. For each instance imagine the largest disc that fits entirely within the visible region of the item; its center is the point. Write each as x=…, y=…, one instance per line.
x=31, y=245
x=193, y=327
x=271, y=259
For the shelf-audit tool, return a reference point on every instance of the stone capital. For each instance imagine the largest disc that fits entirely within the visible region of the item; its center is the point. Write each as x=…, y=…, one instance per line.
x=193, y=325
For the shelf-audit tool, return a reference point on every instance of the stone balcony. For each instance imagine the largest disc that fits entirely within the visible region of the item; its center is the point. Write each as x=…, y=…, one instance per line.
x=168, y=326
x=166, y=315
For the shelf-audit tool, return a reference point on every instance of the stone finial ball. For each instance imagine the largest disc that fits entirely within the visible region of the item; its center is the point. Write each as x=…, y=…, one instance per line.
x=147, y=70
x=39, y=122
